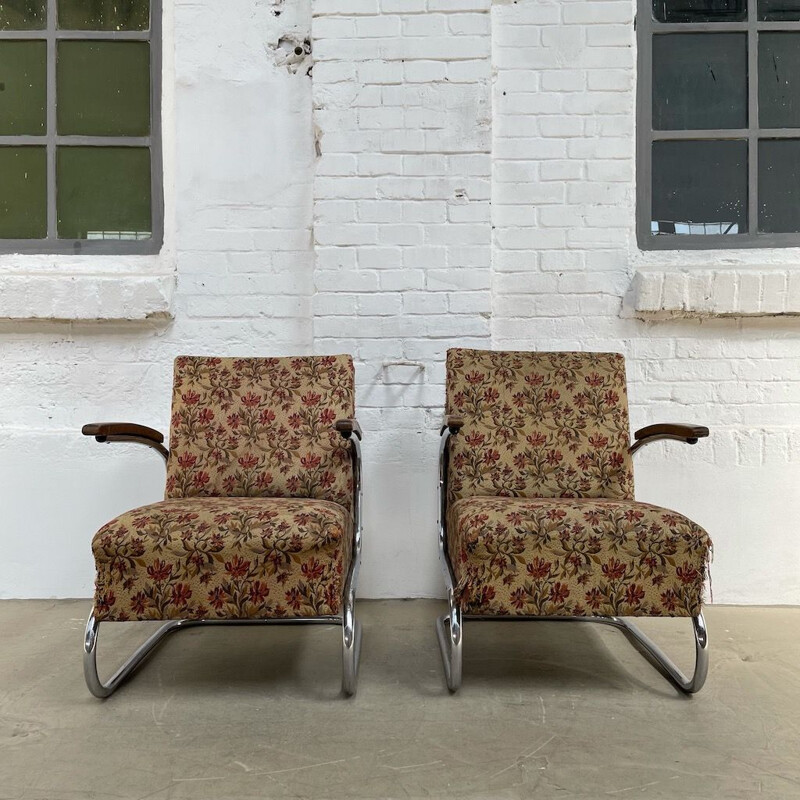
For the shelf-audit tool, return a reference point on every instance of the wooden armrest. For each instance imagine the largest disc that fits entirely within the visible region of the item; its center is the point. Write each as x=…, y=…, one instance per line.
x=676, y=430
x=348, y=427
x=452, y=423
x=102, y=430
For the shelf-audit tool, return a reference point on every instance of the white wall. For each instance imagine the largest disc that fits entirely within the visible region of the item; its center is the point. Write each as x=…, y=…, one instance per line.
x=239, y=152
x=453, y=173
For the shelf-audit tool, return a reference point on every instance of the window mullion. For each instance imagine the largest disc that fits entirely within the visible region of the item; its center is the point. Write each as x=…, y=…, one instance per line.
x=645, y=137
x=52, y=221
x=752, y=117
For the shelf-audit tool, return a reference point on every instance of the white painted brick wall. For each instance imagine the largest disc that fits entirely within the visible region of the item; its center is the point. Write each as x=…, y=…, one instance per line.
x=402, y=103
x=459, y=174
x=564, y=259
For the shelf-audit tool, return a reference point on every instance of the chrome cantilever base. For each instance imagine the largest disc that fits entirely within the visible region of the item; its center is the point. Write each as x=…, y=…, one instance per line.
x=351, y=649
x=449, y=630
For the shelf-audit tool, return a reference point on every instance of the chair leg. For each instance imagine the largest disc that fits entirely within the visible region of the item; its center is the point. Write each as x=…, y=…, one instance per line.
x=450, y=627
x=351, y=645
x=663, y=663
x=351, y=638
x=93, y=682
x=449, y=631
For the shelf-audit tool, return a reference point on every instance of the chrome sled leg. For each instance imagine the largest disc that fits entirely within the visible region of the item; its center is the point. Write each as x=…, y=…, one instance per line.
x=96, y=686
x=351, y=646
x=449, y=632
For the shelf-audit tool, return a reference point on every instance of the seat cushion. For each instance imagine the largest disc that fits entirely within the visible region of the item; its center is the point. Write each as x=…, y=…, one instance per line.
x=575, y=557
x=223, y=558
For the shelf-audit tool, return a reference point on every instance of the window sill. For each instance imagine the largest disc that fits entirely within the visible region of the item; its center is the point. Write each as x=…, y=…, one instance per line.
x=730, y=292
x=41, y=295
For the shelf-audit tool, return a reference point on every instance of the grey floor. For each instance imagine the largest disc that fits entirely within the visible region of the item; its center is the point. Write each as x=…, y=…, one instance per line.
x=546, y=711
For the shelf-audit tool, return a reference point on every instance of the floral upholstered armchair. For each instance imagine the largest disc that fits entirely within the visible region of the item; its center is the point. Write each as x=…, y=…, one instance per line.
x=261, y=522
x=537, y=512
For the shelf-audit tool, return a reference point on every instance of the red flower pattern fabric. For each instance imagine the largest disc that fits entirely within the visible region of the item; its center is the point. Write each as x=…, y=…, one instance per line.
x=541, y=518
x=223, y=558
x=261, y=427
x=257, y=518
x=575, y=557
x=538, y=425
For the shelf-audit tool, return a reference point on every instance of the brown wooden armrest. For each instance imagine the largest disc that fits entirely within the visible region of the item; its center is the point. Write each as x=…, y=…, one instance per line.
x=348, y=427
x=674, y=430
x=102, y=430
x=452, y=423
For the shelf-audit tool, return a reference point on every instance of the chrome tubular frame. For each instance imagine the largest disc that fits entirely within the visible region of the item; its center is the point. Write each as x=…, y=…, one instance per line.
x=351, y=627
x=449, y=627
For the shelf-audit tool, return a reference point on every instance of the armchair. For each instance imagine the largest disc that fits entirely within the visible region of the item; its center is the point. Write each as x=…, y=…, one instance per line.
x=537, y=516
x=261, y=521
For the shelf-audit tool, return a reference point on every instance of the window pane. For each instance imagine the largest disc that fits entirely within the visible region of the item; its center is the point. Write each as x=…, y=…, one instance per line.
x=699, y=10
x=778, y=80
x=699, y=81
x=23, y=88
x=23, y=15
x=23, y=193
x=103, y=192
x=104, y=15
x=779, y=10
x=104, y=88
x=778, y=179
x=699, y=187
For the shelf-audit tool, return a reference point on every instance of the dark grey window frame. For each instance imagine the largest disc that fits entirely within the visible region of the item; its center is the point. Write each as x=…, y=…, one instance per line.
x=647, y=27
x=52, y=244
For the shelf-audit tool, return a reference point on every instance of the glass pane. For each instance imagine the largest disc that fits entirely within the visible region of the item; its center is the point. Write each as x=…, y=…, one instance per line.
x=104, y=15
x=778, y=80
x=23, y=193
x=699, y=81
x=23, y=15
x=104, y=88
x=778, y=179
x=23, y=88
x=699, y=10
x=778, y=10
x=699, y=187
x=103, y=192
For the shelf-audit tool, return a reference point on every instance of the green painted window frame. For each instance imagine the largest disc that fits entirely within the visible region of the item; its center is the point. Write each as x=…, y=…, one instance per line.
x=646, y=28
x=52, y=35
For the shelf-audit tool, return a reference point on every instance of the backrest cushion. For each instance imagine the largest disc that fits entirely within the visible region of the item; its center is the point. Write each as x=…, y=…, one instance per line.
x=261, y=427
x=539, y=425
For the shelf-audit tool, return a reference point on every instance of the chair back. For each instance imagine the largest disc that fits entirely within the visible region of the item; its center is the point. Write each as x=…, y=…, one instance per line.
x=261, y=427
x=538, y=425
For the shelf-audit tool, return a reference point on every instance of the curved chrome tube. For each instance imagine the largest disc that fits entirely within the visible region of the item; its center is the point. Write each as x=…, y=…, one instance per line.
x=96, y=686
x=351, y=627
x=449, y=626
x=100, y=689
x=448, y=631
x=651, y=651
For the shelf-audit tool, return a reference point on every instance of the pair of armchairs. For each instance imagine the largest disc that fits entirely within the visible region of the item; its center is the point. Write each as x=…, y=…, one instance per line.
x=261, y=523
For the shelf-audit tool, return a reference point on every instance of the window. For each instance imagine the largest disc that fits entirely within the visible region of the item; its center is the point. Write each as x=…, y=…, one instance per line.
x=718, y=124
x=80, y=156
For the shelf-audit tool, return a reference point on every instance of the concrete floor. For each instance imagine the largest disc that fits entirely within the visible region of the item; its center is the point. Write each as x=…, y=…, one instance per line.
x=546, y=711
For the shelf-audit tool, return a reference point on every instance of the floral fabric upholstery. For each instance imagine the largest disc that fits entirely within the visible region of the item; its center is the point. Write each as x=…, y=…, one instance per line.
x=539, y=425
x=223, y=558
x=261, y=427
x=575, y=557
x=541, y=517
